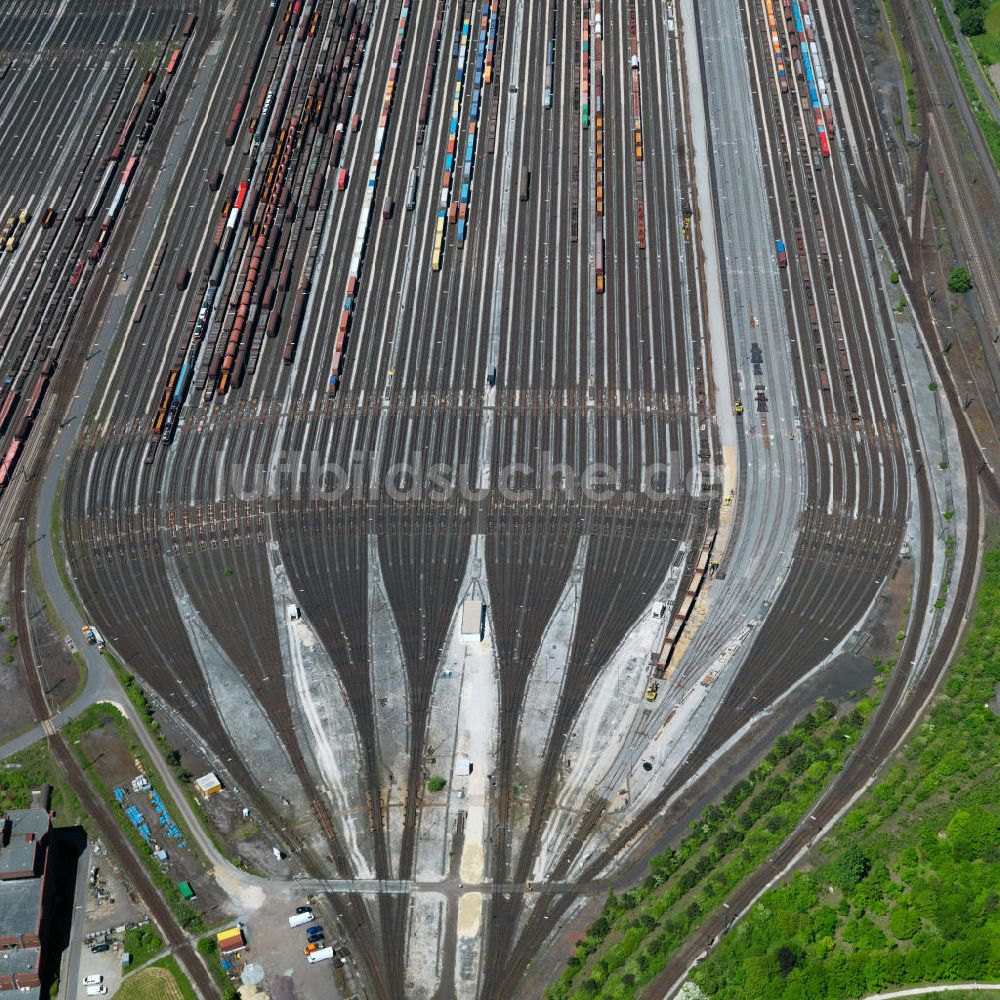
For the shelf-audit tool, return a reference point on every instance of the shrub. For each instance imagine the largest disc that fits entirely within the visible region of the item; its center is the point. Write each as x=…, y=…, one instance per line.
x=959, y=280
x=850, y=868
x=436, y=783
x=903, y=923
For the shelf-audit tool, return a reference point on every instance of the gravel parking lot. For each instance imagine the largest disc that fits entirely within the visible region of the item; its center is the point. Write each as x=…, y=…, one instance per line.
x=278, y=948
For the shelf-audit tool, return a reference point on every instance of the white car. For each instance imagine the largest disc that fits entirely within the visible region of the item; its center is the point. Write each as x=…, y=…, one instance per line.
x=93, y=980
x=96, y=991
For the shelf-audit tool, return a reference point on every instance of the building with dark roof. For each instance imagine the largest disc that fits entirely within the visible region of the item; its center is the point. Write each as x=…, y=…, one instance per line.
x=24, y=841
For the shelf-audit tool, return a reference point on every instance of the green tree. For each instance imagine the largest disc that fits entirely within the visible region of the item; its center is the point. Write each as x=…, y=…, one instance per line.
x=850, y=868
x=960, y=280
x=787, y=958
x=972, y=21
x=903, y=923
x=436, y=783
x=824, y=709
x=973, y=834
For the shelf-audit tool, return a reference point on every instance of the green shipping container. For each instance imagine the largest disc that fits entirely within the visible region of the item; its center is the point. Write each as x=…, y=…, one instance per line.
x=186, y=891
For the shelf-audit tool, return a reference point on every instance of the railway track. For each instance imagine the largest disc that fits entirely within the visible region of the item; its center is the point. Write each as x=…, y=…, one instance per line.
x=865, y=547
x=454, y=363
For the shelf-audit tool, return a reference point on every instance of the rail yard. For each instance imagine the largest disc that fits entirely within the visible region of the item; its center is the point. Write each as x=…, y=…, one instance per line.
x=330, y=328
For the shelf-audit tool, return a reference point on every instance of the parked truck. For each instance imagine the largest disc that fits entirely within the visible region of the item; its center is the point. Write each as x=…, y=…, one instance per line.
x=298, y=919
x=321, y=955
x=92, y=636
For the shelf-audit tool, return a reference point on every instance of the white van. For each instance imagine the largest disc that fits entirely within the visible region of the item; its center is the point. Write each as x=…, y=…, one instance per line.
x=659, y=609
x=93, y=980
x=96, y=991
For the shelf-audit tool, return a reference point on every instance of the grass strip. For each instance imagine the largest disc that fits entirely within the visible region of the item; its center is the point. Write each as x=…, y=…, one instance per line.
x=169, y=963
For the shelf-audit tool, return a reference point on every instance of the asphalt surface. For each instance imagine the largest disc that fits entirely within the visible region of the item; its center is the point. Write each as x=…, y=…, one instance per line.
x=73, y=955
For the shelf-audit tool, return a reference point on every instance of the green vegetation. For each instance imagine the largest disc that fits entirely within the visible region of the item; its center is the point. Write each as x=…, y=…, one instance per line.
x=103, y=714
x=909, y=889
x=142, y=943
x=959, y=280
x=184, y=988
x=971, y=20
x=971, y=15
x=436, y=783
x=633, y=938
x=208, y=947
x=907, y=69
x=30, y=769
x=894, y=277
x=154, y=983
x=987, y=123
x=987, y=45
